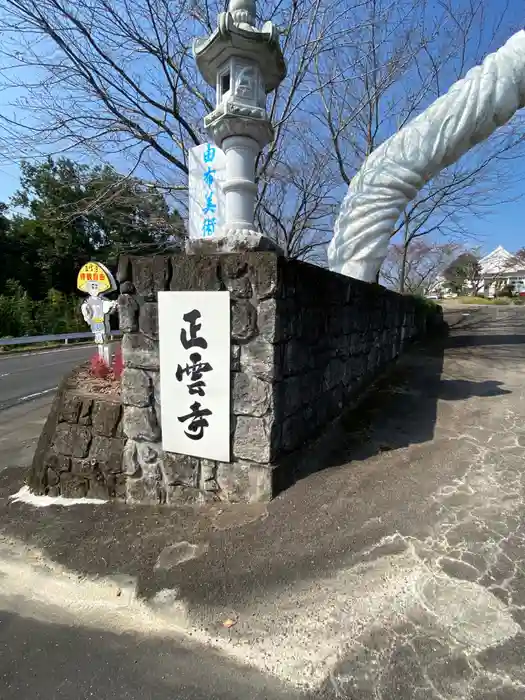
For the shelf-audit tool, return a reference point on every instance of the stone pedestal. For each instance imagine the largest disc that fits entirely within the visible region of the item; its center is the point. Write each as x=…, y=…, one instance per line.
x=305, y=342
x=233, y=241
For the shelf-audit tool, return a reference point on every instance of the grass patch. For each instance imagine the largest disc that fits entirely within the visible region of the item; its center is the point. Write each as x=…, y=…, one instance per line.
x=475, y=300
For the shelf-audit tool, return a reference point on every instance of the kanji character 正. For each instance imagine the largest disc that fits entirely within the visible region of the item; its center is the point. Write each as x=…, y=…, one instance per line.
x=193, y=341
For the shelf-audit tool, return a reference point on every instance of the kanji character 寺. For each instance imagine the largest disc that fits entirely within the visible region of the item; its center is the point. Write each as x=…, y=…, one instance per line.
x=197, y=418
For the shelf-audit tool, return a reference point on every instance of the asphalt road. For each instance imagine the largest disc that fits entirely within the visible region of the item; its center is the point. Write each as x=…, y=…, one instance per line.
x=28, y=376
x=42, y=661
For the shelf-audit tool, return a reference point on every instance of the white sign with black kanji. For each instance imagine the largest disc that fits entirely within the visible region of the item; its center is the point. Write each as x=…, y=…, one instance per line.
x=194, y=339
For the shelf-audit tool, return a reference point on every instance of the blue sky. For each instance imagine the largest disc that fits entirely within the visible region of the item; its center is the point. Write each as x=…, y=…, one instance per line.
x=502, y=224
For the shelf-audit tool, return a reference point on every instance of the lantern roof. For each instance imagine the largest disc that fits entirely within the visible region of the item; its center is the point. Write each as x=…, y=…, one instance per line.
x=236, y=35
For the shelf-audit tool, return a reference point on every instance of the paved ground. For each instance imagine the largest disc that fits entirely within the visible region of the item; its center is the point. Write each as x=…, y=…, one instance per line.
x=29, y=375
x=399, y=572
x=43, y=661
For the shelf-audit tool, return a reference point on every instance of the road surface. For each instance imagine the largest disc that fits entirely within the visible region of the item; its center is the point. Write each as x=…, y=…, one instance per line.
x=27, y=386
x=42, y=661
x=28, y=376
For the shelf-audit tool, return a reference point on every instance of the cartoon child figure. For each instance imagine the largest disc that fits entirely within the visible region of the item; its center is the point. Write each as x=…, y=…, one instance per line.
x=95, y=279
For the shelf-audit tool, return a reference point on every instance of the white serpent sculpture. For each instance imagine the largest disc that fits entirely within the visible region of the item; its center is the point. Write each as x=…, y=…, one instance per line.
x=474, y=107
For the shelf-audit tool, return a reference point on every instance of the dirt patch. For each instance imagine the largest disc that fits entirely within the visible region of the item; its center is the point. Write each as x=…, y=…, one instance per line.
x=83, y=380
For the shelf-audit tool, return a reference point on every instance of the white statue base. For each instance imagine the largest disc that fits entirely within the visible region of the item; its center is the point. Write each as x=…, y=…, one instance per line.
x=232, y=241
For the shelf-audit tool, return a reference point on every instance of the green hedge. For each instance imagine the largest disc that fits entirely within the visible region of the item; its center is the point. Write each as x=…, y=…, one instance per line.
x=20, y=315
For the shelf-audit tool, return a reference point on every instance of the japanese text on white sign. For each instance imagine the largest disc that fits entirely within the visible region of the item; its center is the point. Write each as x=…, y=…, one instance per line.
x=194, y=338
x=207, y=204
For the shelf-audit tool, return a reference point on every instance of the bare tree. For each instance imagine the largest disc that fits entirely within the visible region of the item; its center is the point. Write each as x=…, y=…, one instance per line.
x=403, y=58
x=418, y=268
x=115, y=80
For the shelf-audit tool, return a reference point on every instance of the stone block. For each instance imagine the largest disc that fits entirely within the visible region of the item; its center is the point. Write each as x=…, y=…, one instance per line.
x=128, y=313
x=97, y=487
x=72, y=440
x=290, y=396
x=252, y=439
x=136, y=387
x=235, y=364
x=106, y=417
x=293, y=431
x=258, y=357
x=127, y=288
x=234, y=271
x=243, y=320
x=107, y=452
x=265, y=274
x=195, y=272
x=130, y=461
x=52, y=478
x=298, y=358
x=100, y=448
x=147, y=489
x=155, y=380
x=69, y=409
x=148, y=454
x=178, y=494
x=124, y=269
x=233, y=481
x=83, y=467
x=63, y=463
x=73, y=485
x=269, y=326
x=149, y=320
x=251, y=396
x=140, y=351
x=240, y=288
x=208, y=476
x=84, y=417
x=116, y=485
x=181, y=470
x=260, y=483
x=233, y=266
x=244, y=482
x=141, y=424
x=150, y=275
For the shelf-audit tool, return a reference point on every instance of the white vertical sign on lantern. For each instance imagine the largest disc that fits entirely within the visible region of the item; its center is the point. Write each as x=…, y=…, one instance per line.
x=207, y=168
x=194, y=340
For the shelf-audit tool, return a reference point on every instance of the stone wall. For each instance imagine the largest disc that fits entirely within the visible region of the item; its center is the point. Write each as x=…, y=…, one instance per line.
x=79, y=452
x=305, y=343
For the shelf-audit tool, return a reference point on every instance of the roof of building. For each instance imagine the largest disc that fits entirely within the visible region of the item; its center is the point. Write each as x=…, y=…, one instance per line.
x=500, y=260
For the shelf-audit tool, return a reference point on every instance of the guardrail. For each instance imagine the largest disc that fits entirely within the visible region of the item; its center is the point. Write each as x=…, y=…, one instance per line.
x=66, y=337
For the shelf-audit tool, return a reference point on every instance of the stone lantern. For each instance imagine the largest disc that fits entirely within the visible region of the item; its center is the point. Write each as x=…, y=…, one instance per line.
x=244, y=64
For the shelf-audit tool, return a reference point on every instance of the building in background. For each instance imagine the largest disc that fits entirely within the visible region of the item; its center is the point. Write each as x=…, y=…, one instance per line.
x=487, y=276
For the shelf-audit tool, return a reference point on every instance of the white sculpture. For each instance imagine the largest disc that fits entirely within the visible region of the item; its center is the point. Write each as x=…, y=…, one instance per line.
x=390, y=178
